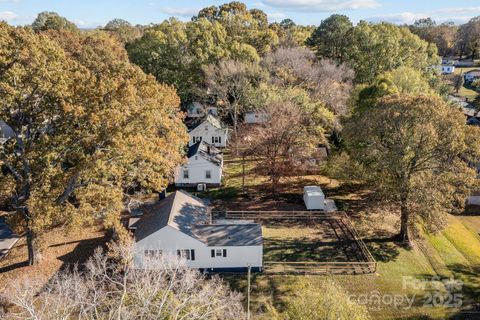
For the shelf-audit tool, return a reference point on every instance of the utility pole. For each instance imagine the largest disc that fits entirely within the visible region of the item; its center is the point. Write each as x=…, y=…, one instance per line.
x=248, y=292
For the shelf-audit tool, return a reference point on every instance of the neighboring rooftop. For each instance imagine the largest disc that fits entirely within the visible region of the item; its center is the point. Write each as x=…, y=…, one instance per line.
x=213, y=120
x=205, y=150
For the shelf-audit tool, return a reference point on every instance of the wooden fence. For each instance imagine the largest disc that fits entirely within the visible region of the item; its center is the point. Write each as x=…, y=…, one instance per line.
x=367, y=266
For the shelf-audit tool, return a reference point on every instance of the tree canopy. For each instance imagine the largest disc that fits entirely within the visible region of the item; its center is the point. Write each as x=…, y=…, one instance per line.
x=52, y=21
x=88, y=127
x=417, y=153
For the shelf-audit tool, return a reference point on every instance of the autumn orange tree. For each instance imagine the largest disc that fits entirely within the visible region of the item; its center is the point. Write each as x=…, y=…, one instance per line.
x=86, y=125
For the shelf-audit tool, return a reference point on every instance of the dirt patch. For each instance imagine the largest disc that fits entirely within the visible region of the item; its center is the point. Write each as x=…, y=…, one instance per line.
x=62, y=249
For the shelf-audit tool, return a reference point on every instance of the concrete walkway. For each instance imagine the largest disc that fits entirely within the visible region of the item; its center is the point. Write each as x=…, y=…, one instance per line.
x=7, y=238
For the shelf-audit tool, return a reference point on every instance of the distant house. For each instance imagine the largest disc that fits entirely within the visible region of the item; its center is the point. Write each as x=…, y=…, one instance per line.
x=474, y=199
x=254, y=118
x=210, y=130
x=447, y=69
x=205, y=165
x=198, y=110
x=471, y=76
x=180, y=225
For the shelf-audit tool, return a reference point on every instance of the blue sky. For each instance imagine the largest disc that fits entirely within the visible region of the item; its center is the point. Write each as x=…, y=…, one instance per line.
x=92, y=13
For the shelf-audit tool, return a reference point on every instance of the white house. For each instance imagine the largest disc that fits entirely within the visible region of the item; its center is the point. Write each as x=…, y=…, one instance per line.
x=471, y=76
x=198, y=110
x=180, y=225
x=474, y=199
x=254, y=118
x=447, y=69
x=210, y=130
x=205, y=165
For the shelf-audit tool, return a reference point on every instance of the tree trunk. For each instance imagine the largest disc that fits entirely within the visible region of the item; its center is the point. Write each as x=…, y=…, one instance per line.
x=404, y=218
x=34, y=255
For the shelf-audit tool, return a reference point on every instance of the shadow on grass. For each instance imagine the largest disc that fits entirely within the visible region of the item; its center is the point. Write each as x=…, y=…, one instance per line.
x=82, y=251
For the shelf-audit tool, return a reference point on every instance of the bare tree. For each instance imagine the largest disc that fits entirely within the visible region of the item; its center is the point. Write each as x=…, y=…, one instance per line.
x=228, y=83
x=281, y=144
x=325, y=79
x=111, y=288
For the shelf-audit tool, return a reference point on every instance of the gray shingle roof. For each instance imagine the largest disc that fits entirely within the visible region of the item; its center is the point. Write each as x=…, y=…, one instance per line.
x=202, y=149
x=224, y=235
x=189, y=214
x=213, y=120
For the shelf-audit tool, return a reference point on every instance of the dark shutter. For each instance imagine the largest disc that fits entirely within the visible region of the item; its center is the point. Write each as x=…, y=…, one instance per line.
x=192, y=254
x=219, y=139
x=179, y=253
x=213, y=139
x=224, y=253
x=213, y=253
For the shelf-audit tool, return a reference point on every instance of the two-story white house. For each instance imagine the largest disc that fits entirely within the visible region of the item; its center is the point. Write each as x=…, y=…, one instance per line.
x=211, y=130
x=198, y=110
x=180, y=225
x=205, y=165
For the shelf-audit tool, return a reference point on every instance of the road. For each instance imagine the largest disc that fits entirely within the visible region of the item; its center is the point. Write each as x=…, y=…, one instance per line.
x=7, y=238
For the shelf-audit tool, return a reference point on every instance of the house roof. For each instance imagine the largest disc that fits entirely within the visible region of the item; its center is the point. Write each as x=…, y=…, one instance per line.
x=214, y=121
x=189, y=214
x=473, y=72
x=225, y=235
x=179, y=210
x=206, y=151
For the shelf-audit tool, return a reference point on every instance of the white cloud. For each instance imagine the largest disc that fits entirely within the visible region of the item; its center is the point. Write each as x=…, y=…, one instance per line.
x=460, y=11
x=180, y=12
x=398, y=18
x=323, y=5
x=8, y=16
x=276, y=16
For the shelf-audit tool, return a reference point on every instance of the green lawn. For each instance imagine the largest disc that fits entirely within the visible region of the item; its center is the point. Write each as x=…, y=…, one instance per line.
x=467, y=91
x=454, y=253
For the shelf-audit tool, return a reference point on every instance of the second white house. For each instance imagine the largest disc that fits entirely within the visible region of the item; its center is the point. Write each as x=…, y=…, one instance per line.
x=210, y=130
x=204, y=166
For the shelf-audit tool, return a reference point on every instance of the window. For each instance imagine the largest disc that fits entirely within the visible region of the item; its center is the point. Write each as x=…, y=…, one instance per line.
x=216, y=139
x=208, y=174
x=188, y=254
x=197, y=139
x=151, y=254
x=185, y=174
x=198, y=110
x=196, y=157
x=219, y=253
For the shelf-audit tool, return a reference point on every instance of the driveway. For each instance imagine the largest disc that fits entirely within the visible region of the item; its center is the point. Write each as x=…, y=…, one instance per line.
x=7, y=238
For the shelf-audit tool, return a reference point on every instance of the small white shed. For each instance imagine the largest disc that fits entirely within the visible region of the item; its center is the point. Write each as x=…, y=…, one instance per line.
x=314, y=198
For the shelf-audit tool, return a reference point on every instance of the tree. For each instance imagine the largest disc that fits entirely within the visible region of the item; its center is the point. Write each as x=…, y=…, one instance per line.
x=443, y=35
x=87, y=126
x=325, y=80
x=52, y=21
x=468, y=38
x=229, y=83
x=329, y=40
x=327, y=301
x=458, y=82
x=377, y=48
x=280, y=144
x=416, y=152
x=242, y=25
x=404, y=80
x=175, y=52
x=125, y=32
x=112, y=288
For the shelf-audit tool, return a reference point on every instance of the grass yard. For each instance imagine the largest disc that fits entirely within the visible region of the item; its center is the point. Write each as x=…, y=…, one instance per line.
x=309, y=241
x=467, y=91
x=452, y=254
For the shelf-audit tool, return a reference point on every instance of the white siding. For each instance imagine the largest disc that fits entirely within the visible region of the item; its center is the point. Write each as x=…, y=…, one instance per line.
x=169, y=240
x=474, y=200
x=208, y=132
x=197, y=168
